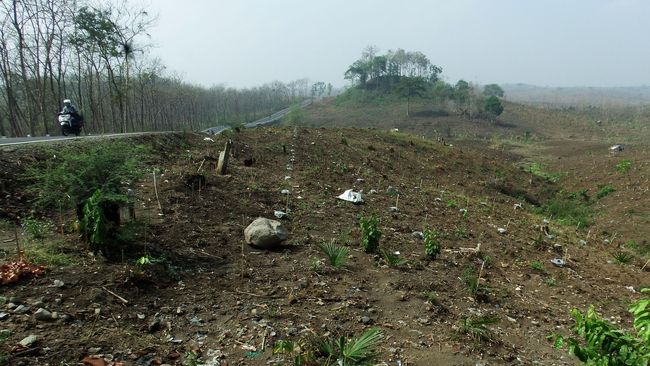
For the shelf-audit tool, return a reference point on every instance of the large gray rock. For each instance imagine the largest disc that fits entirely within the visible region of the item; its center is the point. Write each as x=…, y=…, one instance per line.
x=266, y=234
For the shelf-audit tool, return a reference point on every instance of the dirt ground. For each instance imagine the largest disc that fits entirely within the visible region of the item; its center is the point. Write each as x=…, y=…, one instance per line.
x=230, y=303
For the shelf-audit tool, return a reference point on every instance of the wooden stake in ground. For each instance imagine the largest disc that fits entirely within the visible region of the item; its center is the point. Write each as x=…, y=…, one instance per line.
x=18, y=248
x=222, y=166
x=155, y=189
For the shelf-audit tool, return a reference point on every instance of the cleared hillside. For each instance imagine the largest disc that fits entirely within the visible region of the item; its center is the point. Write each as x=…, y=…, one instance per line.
x=205, y=291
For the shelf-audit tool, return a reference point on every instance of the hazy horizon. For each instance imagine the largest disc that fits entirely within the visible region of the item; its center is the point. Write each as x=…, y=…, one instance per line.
x=245, y=43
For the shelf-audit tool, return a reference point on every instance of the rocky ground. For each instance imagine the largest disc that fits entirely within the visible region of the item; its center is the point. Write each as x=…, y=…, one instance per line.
x=206, y=293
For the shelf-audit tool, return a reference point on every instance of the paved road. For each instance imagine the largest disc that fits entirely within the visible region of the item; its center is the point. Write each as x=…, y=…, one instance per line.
x=41, y=139
x=260, y=122
x=212, y=130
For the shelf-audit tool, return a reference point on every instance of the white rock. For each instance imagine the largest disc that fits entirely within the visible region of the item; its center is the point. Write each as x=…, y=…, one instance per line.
x=266, y=234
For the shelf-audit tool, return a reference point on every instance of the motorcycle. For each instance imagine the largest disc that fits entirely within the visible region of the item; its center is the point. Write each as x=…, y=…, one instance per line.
x=71, y=123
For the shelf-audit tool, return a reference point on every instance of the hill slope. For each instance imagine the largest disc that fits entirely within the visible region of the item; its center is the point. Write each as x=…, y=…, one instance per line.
x=234, y=302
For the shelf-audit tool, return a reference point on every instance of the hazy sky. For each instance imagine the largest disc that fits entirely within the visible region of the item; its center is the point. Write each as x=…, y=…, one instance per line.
x=245, y=43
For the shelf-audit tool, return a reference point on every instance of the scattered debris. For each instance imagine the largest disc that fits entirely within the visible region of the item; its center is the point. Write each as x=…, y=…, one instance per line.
x=393, y=209
x=28, y=341
x=14, y=271
x=418, y=235
x=558, y=262
x=616, y=148
x=58, y=283
x=280, y=214
x=502, y=231
x=285, y=192
x=351, y=196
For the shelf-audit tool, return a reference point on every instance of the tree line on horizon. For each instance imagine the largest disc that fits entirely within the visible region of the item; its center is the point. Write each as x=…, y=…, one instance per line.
x=412, y=75
x=97, y=55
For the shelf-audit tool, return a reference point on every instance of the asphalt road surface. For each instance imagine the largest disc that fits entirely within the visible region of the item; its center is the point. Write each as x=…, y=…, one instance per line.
x=212, y=130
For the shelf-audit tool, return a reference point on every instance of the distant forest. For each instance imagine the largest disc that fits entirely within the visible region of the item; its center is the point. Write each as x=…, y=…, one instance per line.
x=577, y=96
x=96, y=53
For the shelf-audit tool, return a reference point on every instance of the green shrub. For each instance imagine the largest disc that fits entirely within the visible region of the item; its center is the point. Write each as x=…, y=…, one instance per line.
x=89, y=178
x=601, y=343
x=74, y=174
x=370, y=233
x=431, y=244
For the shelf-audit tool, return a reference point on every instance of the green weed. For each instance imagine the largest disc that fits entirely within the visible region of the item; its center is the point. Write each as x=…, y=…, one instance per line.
x=36, y=228
x=476, y=327
x=392, y=259
x=605, y=191
x=337, y=256
x=357, y=351
x=537, y=265
x=622, y=257
x=624, y=166
x=432, y=246
x=567, y=211
x=49, y=254
x=370, y=233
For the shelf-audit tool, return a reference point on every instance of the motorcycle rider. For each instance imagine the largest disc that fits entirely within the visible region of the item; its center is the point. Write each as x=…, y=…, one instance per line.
x=69, y=108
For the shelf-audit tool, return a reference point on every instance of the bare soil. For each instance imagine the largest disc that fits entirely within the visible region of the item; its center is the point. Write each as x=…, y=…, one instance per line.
x=229, y=302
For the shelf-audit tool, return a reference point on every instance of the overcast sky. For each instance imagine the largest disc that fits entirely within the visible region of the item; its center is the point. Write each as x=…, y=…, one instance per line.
x=243, y=43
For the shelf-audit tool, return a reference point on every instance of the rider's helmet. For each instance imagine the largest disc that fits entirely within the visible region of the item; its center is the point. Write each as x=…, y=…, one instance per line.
x=67, y=101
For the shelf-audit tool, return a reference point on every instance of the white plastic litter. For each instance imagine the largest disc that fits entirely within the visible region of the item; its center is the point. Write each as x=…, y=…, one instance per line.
x=502, y=230
x=351, y=196
x=208, y=139
x=285, y=191
x=280, y=214
x=393, y=209
x=558, y=262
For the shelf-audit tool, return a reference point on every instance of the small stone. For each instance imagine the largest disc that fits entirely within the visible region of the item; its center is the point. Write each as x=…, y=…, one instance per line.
x=391, y=190
x=98, y=311
x=418, y=235
x=196, y=321
x=94, y=350
x=141, y=316
x=366, y=320
x=393, y=209
x=29, y=340
x=502, y=231
x=285, y=191
x=15, y=300
x=21, y=309
x=58, y=283
x=11, y=306
x=4, y=316
x=38, y=304
x=43, y=315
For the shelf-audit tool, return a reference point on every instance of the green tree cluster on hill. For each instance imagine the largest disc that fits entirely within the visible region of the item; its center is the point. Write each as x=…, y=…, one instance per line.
x=410, y=75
